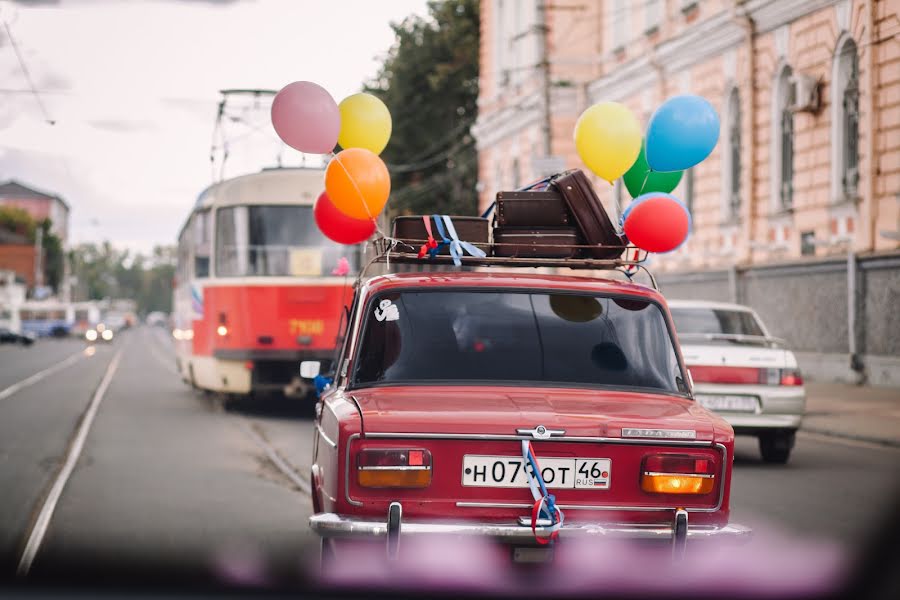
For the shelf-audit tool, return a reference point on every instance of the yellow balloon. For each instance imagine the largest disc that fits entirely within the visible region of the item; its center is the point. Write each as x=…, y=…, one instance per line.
x=608, y=139
x=365, y=123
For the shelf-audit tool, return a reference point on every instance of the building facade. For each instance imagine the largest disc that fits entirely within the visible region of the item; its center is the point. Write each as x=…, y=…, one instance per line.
x=802, y=193
x=39, y=205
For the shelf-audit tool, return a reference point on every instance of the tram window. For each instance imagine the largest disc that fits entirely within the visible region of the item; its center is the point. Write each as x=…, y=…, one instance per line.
x=201, y=243
x=275, y=240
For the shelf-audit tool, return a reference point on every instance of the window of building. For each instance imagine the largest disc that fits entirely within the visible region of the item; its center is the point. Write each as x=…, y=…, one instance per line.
x=845, y=115
x=783, y=141
x=619, y=22
x=652, y=15
x=808, y=243
x=733, y=156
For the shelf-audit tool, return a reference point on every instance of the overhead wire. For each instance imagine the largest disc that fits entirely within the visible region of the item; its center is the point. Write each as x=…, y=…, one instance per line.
x=27, y=74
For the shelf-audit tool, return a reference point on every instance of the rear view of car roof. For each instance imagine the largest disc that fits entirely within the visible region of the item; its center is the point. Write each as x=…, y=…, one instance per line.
x=510, y=280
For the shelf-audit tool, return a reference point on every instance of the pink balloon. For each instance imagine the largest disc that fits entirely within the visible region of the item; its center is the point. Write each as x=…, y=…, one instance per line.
x=306, y=117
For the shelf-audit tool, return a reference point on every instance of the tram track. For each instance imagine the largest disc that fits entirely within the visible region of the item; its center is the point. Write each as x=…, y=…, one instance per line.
x=46, y=506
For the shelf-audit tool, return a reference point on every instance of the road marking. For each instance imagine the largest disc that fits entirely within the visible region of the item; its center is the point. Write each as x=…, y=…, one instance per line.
x=36, y=536
x=846, y=441
x=6, y=393
x=275, y=458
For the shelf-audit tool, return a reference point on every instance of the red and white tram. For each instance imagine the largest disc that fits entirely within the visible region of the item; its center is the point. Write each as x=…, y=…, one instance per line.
x=258, y=287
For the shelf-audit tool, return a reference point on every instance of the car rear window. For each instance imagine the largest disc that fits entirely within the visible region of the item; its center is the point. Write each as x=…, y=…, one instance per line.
x=715, y=321
x=516, y=338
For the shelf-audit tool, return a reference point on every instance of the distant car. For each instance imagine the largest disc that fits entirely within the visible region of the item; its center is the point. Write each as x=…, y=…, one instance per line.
x=157, y=319
x=100, y=333
x=115, y=321
x=743, y=373
x=8, y=336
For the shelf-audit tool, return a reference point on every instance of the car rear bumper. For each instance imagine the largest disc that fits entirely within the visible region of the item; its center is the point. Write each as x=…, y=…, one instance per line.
x=331, y=525
x=778, y=407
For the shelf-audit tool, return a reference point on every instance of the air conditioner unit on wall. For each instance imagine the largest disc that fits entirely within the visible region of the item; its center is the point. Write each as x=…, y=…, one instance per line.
x=804, y=93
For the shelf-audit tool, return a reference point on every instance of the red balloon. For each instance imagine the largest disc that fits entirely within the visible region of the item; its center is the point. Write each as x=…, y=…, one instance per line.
x=339, y=227
x=657, y=222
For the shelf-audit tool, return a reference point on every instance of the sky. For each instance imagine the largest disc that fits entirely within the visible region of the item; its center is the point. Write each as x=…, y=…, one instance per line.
x=133, y=88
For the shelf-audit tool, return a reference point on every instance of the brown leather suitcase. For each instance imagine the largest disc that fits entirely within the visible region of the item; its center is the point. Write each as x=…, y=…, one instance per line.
x=525, y=208
x=593, y=222
x=475, y=230
x=525, y=242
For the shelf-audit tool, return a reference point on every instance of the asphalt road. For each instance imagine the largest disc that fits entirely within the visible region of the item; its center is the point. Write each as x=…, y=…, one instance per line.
x=170, y=479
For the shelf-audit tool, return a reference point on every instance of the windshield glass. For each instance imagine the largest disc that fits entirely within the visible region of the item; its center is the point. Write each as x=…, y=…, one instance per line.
x=276, y=240
x=715, y=321
x=516, y=337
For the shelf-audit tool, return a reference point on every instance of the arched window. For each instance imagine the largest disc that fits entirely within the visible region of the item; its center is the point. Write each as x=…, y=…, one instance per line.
x=732, y=162
x=783, y=141
x=845, y=120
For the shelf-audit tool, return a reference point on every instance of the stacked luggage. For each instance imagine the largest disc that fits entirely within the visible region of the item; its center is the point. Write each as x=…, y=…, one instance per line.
x=558, y=217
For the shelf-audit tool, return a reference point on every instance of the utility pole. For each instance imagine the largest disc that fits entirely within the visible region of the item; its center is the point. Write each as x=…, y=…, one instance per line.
x=543, y=31
x=38, y=257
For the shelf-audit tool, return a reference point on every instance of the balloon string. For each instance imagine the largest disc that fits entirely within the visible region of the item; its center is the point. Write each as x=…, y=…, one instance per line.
x=646, y=177
x=358, y=193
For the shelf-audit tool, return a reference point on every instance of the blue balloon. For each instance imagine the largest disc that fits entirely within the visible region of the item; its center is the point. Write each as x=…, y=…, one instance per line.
x=681, y=133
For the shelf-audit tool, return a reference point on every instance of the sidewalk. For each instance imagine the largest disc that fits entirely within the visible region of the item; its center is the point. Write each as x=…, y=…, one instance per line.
x=856, y=412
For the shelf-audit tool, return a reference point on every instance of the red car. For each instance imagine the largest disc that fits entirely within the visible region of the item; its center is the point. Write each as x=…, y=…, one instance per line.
x=522, y=408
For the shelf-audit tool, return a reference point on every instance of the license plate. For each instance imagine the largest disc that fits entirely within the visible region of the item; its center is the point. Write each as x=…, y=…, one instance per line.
x=558, y=473
x=728, y=403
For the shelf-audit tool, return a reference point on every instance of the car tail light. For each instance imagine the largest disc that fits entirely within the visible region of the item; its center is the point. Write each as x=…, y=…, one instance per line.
x=678, y=474
x=394, y=468
x=791, y=377
x=745, y=375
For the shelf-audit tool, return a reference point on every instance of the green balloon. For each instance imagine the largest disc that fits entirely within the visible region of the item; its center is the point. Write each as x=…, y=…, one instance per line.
x=640, y=180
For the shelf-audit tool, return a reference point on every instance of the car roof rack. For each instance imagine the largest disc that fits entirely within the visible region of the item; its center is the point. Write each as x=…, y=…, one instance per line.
x=392, y=251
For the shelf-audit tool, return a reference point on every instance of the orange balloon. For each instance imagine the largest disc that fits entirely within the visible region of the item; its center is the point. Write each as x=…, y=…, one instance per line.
x=358, y=183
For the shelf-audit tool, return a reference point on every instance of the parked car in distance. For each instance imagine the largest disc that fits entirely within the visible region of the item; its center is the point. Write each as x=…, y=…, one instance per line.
x=100, y=333
x=451, y=390
x=8, y=336
x=743, y=373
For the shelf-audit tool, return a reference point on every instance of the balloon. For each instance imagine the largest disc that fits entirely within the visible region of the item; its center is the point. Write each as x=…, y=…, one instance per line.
x=639, y=179
x=358, y=183
x=657, y=222
x=576, y=309
x=608, y=139
x=365, y=123
x=306, y=117
x=681, y=133
x=337, y=226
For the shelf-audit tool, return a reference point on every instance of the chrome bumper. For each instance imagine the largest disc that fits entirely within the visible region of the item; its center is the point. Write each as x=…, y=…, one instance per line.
x=331, y=525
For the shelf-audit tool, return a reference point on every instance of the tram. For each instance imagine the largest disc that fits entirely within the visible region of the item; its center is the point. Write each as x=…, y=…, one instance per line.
x=258, y=288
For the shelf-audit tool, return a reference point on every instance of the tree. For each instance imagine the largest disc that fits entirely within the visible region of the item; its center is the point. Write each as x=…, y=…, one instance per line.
x=429, y=81
x=18, y=221
x=102, y=271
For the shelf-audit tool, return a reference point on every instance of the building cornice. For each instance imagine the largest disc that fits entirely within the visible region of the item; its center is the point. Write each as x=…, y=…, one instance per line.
x=707, y=39
x=491, y=128
x=771, y=14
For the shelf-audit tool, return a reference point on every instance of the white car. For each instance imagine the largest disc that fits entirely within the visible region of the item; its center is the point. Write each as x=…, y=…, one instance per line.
x=741, y=372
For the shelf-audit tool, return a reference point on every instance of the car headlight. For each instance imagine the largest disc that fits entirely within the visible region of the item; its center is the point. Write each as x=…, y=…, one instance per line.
x=91, y=335
x=107, y=334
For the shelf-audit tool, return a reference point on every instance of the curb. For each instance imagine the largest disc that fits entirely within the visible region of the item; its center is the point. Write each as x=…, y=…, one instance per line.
x=890, y=443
